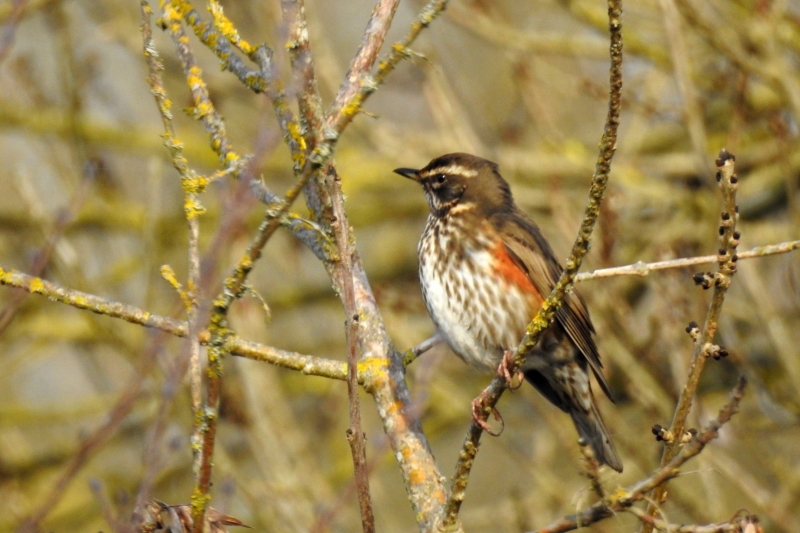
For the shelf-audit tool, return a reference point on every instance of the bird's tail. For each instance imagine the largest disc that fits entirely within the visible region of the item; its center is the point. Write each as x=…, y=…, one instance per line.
x=590, y=426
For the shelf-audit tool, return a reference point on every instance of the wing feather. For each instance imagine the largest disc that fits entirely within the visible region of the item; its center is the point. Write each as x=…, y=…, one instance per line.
x=528, y=248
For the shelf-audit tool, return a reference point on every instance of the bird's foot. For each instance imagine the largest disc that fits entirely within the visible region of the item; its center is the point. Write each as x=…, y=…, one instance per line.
x=478, y=414
x=504, y=372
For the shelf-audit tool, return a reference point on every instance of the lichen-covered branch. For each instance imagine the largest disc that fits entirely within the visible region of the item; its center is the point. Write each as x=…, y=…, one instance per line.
x=552, y=303
x=359, y=72
x=400, y=51
x=192, y=209
x=307, y=364
x=220, y=37
x=203, y=109
x=218, y=344
x=323, y=195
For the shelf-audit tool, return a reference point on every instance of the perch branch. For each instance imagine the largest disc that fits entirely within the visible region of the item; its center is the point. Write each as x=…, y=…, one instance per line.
x=550, y=306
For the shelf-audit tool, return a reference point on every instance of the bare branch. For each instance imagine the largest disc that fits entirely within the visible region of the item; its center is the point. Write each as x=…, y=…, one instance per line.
x=643, y=269
x=358, y=73
x=192, y=210
x=661, y=525
x=411, y=355
x=727, y=259
x=355, y=435
x=363, y=61
x=623, y=500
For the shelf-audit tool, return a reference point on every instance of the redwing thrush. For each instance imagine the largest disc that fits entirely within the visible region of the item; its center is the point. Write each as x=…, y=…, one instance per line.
x=485, y=269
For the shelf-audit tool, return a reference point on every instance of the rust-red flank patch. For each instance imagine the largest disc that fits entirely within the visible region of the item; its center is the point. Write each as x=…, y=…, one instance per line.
x=511, y=272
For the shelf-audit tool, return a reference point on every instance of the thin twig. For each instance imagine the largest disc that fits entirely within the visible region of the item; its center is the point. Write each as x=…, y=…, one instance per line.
x=661, y=525
x=192, y=209
x=203, y=109
x=623, y=500
x=546, y=314
x=355, y=435
x=411, y=355
x=219, y=342
x=643, y=269
x=727, y=258
x=363, y=61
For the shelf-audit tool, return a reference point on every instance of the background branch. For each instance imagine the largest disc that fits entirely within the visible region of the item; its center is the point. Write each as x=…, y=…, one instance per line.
x=729, y=238
x=641, y=268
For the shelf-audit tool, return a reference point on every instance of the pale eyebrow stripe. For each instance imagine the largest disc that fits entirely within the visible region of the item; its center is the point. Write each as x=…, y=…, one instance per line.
x=453, y=170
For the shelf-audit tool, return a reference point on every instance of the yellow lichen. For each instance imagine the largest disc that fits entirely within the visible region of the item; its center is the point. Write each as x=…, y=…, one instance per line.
x=353, y=107
x=373, y=364
x=199, y=500
x=195, y=77
x=193, y=208
x=37, y=285
x=195, y=184
x=203, y=108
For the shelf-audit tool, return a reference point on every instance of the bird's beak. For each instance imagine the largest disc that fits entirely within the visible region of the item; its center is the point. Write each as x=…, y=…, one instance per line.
x=410, y=173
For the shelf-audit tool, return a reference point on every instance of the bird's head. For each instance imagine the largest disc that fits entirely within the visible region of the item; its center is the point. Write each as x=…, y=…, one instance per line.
x=461, y=180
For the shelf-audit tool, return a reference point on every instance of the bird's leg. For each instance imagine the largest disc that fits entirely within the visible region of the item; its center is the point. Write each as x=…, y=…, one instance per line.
x=478, y=414
x=504, y=372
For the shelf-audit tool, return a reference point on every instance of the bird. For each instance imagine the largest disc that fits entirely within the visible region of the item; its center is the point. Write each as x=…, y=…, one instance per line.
x=485, y=269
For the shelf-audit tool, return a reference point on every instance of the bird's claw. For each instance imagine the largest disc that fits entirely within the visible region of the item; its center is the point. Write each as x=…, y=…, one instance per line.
x=478, y=417
x=504, y=372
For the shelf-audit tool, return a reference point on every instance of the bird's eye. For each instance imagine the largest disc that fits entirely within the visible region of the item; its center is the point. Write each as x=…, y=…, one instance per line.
x=440, y=179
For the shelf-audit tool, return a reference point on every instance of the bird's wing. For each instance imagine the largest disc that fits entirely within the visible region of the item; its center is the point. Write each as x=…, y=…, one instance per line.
x=528, y=248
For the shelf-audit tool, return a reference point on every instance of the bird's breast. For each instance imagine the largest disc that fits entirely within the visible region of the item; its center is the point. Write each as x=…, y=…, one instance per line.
x=479, y=299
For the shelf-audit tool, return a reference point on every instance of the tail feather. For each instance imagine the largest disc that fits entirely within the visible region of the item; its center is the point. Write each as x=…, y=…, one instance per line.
x=590, y=426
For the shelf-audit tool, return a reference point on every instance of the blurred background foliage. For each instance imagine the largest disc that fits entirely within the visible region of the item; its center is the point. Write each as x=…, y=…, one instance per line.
x=89, y=199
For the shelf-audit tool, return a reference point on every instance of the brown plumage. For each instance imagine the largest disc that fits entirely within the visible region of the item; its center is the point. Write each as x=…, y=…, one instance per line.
x=485, y=269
